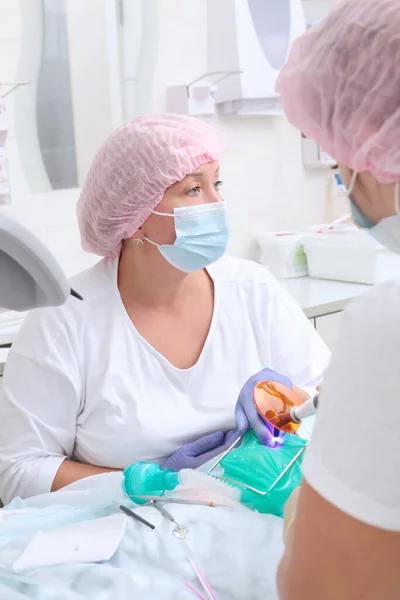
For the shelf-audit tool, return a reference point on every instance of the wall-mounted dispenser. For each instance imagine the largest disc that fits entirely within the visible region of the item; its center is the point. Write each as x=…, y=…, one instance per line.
x=197, y=98
x=254, y=38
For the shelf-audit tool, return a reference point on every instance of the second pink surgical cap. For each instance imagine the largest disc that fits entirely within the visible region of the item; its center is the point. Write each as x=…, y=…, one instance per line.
x=132, y=170
x=341, y=86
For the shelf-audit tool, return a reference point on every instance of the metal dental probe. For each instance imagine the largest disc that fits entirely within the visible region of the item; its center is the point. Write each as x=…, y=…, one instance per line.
x=164, y=512
x=167, y=500
x=179, y=531
x=130, y=513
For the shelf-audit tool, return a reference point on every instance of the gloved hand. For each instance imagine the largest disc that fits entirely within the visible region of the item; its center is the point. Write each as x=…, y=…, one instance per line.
x=192, y=456
x=289, y=513
x=246, y=413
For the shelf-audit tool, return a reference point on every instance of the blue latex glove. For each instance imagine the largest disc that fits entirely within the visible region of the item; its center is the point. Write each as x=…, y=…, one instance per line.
x=192, y=456
x=246, y=413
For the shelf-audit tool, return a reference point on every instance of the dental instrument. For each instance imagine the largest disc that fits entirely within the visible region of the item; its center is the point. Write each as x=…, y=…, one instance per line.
x=180, y=531
x=282, y=407
x=298, y=413
x=221, y=458
x=245, y=415
x=177, y=501
x=130, y=513
x=163, y=511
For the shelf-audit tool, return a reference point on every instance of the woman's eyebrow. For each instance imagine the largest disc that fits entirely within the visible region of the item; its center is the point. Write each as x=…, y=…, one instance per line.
x=200, y=173
x=194, y=175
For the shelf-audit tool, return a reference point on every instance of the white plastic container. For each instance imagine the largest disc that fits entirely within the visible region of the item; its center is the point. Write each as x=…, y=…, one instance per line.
x=352, y=256
x=283, y=253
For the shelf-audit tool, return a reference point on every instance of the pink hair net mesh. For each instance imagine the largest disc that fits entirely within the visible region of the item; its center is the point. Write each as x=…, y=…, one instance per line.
x=341, y=86
x=132, y=170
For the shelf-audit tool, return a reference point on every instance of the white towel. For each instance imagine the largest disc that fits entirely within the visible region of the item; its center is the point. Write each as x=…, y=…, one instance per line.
x=93, y=541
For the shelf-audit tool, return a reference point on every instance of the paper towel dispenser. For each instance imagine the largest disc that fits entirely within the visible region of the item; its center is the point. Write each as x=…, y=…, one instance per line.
x=272, y=24
x=254, y=38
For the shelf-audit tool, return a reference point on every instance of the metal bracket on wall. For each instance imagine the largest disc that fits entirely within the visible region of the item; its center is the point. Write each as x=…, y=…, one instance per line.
x=13, y=86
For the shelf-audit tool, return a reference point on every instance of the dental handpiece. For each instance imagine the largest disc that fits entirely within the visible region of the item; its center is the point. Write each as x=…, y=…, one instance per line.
x=298, y=413
x=307, y=409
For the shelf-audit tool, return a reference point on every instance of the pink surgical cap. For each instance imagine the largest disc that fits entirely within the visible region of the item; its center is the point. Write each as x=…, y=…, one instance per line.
x=132, y=170
x=341, y=86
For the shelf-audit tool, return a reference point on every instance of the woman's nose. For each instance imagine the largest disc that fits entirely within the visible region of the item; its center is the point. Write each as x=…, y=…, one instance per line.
x=214, y=195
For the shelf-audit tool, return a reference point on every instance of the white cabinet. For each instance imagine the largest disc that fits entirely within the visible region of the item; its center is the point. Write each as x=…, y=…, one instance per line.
x=323, y=302
x=328, y=328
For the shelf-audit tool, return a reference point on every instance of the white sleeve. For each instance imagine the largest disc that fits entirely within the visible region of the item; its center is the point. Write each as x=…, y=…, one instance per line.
x=354, y=457
x=39, y=402
x=297, y=349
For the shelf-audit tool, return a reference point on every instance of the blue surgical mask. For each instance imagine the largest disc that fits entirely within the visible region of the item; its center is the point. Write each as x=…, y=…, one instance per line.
x=358, y=218
x=387, y=231
x=202, y=234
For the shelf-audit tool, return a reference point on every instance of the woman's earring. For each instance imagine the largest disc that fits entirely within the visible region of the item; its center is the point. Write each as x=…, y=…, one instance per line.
x=139, y=241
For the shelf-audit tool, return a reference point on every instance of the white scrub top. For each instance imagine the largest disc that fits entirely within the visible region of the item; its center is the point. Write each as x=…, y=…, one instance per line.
x=81, y=382
x=353, y=460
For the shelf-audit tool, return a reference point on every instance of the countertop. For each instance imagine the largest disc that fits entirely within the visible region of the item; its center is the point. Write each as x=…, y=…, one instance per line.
x=319, y=297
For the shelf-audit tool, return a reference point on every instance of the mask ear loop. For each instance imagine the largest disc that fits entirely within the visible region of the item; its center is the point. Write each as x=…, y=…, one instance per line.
x=352, y=183
x=151, y=242
x=160, y=214
x=154, y=212
x=397, y=198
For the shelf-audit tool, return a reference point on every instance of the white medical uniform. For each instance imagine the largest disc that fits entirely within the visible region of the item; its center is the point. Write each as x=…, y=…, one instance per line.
x=81, y=382
x=354, y=457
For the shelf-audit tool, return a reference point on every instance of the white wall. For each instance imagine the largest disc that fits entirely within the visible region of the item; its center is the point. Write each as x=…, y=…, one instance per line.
x=89, y=79
x=316, y=9
x=264, y=179
x=265, y=183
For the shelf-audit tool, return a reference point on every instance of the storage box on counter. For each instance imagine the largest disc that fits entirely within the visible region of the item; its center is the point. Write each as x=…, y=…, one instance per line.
x=349, y=255
x=283, y=253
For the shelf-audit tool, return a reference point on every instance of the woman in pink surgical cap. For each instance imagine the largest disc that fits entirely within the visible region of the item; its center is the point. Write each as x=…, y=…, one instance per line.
x=341, y=87
x=150, y=365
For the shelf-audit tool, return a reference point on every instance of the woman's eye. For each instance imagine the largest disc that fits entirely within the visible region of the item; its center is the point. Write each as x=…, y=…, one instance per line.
x=194, y=191
x=218, y=185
